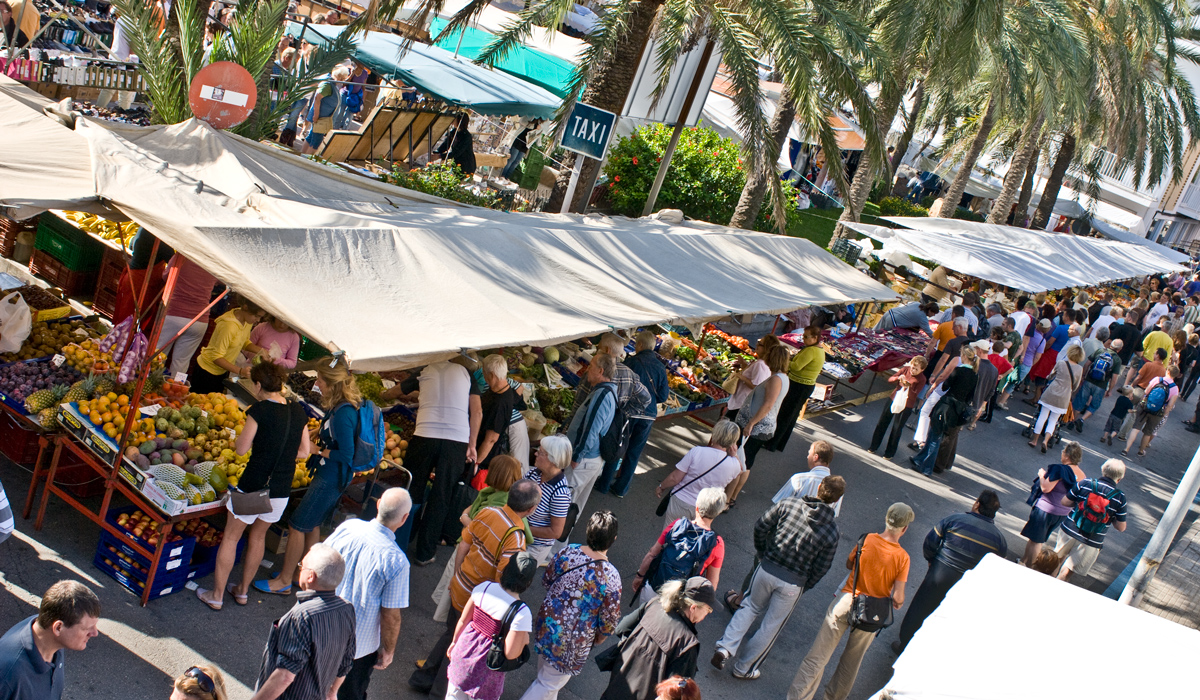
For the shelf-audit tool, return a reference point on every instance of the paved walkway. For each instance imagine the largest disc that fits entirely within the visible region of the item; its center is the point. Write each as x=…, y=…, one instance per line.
x=1175, y=592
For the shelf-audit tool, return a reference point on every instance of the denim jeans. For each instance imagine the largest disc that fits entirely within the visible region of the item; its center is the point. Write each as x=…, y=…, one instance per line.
x=639, y=434
x=927, y=457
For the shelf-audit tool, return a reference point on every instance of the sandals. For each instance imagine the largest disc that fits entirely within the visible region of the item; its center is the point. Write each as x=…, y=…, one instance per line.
x=264, y=586
x=1141, y=453
x=242, y=599
x=733, y=601
x=1124, y=453
x=201, y=592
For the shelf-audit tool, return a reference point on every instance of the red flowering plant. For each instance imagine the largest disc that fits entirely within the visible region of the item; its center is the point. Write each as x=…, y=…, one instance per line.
x=704, y=181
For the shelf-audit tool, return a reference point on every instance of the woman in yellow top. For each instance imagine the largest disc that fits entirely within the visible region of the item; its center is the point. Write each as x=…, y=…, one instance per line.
x=231, y=335
x=803, y=371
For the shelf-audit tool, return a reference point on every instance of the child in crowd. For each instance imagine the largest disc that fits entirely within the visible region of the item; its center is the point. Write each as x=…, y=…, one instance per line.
x=1129, y=396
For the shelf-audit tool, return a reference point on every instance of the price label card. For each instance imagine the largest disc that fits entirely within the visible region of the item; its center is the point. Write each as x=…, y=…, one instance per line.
x=58, y=360
x=181, y=377
x=151, y=410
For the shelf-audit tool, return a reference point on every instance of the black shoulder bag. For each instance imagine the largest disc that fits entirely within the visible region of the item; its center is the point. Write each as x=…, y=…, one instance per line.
x=497, y=660
x=868, y=613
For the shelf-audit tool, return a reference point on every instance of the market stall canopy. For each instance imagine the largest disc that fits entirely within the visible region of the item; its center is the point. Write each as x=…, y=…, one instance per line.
x=437, y=72
x=495, y=20
x=976, y=644
x=1119, y=234
x=541, y=69
x=394, y=278
x=1031, y=261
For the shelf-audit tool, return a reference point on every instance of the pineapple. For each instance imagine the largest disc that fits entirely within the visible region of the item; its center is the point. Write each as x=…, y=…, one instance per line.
x=81, y=390
x=39, y=400
x=104, y=384
x=154, y=382
x=48, y=418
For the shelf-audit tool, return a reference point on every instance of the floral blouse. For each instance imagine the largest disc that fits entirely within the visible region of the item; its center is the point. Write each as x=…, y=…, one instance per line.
x=581, y=609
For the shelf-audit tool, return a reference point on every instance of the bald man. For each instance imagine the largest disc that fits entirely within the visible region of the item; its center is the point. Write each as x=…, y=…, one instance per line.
x=376, y=583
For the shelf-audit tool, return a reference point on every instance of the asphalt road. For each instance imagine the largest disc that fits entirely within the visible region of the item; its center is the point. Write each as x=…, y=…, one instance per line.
x=142, y=649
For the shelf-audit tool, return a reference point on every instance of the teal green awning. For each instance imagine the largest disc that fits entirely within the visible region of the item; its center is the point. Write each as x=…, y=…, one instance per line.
x=538, y=67
x=437, y=72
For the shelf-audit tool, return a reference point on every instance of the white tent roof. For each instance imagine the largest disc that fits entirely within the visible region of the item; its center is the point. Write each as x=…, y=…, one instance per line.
x=983, y=643
x=1031, y=261
x=394, y=278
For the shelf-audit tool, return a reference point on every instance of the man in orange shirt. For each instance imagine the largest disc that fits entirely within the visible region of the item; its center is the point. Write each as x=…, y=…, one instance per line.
x=488, y=543
x=1153, y=369
x=883, y=571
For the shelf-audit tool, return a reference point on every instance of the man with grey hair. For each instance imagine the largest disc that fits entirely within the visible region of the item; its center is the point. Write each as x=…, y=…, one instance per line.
x=995, y=315
x=1095, y=505
x=653, y=375
x=633, y=398
x=1101, y=372
x=376, y=584
x=311, y=648
x=593, y=419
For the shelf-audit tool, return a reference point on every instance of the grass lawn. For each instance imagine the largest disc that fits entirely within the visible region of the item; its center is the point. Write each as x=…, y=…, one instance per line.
x=817, y=225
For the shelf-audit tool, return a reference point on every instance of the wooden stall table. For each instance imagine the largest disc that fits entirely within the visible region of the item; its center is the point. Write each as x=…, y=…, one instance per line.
x=115, y=482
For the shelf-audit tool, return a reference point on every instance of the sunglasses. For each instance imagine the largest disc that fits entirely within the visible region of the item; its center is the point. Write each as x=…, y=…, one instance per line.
x=206, y=682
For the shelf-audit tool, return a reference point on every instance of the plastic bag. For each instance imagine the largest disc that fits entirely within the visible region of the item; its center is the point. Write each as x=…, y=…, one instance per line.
x=16, y=322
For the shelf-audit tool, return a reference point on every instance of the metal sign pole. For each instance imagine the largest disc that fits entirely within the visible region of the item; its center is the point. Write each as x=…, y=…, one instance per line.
x=680, y=121
x=570, y=197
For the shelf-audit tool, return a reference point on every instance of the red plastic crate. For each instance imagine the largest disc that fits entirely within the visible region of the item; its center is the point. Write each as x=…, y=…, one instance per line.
x=10, y=229
x=54, y=271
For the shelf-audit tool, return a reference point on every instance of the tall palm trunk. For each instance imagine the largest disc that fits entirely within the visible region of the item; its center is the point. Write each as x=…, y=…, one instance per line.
x=607, y=89
x=914, y=116
x=1027, y=189
x=1016, y=171
x=1066, y=153
x=755, y=190
x=869, y=168
x=959, y=185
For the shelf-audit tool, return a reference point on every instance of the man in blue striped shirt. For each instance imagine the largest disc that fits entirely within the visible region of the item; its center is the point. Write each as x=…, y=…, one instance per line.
x=953, y=547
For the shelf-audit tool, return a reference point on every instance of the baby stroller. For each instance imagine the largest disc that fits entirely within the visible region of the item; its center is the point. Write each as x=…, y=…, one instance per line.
x=1067, y=419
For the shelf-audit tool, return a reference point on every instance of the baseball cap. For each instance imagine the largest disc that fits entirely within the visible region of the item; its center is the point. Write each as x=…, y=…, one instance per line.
x=899, y=515
x=701, y=590
x=984, y=346
x=1044, y=323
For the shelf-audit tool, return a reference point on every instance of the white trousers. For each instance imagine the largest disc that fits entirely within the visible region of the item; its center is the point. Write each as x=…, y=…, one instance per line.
x=182, y=350
x=931, y=400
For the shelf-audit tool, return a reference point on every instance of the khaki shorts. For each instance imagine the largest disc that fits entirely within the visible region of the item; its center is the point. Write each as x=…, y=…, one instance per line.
x=1148, y=423
x=1075, y=555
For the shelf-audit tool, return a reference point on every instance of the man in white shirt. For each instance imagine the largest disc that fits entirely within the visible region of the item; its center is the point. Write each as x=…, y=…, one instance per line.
x=995, y=316
x=1106, y=319
x=448, y=421
x=1157, y=311
x=1023, y=317
x=802, y=484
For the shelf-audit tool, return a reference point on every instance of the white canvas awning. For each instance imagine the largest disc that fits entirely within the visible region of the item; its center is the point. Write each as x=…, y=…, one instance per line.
x=982, y=643
x=1031, y=261
x=394, y=278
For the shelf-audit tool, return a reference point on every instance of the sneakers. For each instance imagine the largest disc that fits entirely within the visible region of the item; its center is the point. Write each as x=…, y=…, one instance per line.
x=719, y=657
x=753, y=675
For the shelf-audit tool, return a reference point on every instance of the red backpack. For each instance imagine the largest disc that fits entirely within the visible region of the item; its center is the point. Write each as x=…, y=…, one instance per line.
x=1091, y=515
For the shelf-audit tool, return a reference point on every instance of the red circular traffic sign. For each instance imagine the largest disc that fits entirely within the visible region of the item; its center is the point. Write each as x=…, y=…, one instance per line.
x=223, y=94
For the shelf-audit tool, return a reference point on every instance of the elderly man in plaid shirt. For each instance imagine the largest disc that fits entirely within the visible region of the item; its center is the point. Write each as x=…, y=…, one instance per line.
x=796, y=541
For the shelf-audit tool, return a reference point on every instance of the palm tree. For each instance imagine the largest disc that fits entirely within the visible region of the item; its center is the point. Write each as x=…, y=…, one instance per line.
x=1135, y=55
x=1030, y=61
x=171, y=50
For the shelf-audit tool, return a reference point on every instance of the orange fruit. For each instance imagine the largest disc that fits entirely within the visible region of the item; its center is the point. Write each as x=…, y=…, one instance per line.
x=111, y=396
x=106, y=417
x=123, y=400
x=95, y=418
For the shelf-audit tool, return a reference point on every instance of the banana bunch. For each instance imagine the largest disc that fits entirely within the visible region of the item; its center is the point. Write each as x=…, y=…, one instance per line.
x=123, y=231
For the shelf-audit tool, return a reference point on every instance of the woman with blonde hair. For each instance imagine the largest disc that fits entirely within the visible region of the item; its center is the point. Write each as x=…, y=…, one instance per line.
x=200, y=683
x=802, y=372
x=953, y=409
x=332, y=467
x=1064, y=381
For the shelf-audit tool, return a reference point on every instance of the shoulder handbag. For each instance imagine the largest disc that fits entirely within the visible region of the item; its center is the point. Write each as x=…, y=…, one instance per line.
x=868, y=613
x=497, y=660
x=258, y=502
x=661, y=510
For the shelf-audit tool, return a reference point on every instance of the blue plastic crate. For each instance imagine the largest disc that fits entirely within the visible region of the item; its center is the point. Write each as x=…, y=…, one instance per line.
x=204, y=560
x=164, y=585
